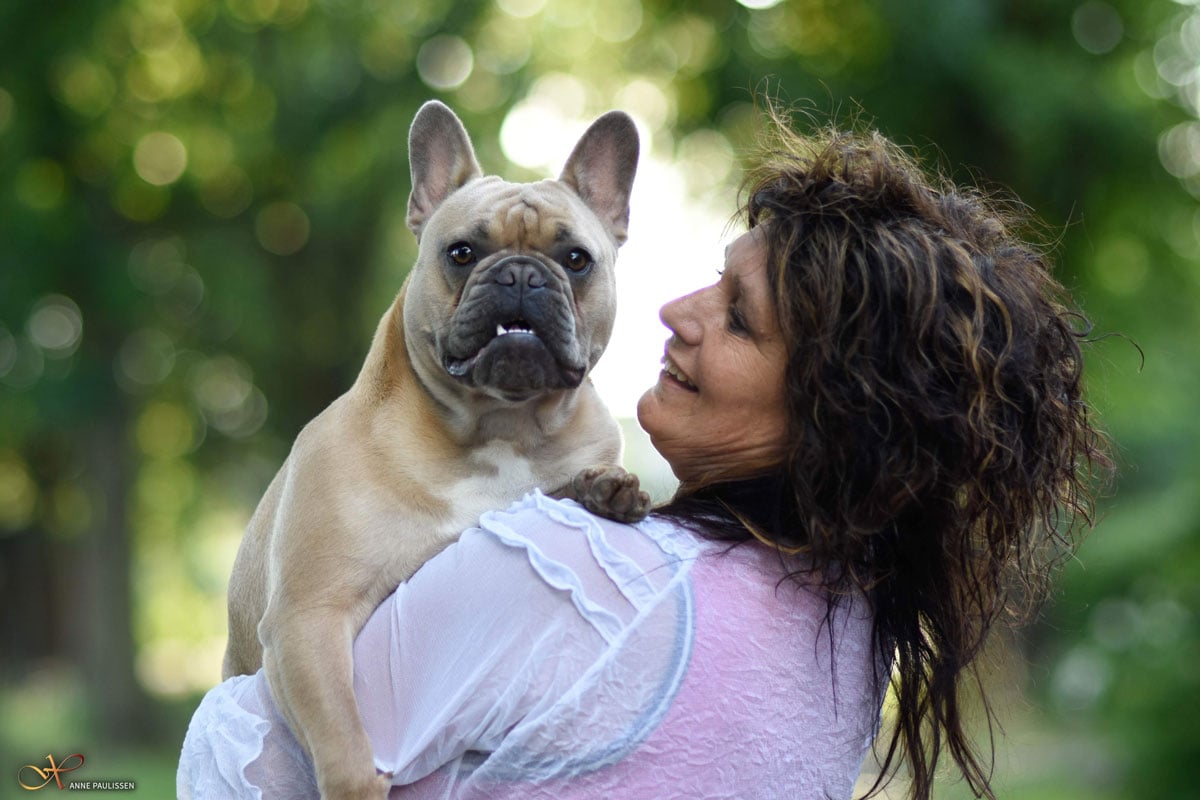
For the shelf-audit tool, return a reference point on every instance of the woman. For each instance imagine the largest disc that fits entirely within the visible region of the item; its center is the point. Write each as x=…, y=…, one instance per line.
x=876, y=419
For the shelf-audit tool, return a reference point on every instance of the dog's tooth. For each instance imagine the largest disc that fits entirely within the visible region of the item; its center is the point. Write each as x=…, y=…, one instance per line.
x=500, y=330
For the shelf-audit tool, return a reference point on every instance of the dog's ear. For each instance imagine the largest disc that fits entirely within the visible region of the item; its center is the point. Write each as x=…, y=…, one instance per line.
x=601, y=170
x=441, y=159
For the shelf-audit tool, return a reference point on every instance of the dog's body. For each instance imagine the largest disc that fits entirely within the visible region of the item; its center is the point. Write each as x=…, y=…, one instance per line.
x=474, y=392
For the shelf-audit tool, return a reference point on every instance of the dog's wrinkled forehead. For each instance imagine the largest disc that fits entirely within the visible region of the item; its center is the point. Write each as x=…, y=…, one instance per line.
x=518, y=215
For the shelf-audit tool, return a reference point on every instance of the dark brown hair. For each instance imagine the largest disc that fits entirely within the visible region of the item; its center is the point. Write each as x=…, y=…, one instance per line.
x=941, y=456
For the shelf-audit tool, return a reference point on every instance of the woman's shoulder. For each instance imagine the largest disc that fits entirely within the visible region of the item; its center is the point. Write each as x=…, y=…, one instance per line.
x=536, y=517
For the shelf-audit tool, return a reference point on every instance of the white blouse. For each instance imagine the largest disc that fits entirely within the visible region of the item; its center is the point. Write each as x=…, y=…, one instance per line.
x=553, y=654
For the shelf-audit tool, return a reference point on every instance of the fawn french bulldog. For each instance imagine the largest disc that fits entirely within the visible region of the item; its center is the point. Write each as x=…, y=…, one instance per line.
x=475, y=391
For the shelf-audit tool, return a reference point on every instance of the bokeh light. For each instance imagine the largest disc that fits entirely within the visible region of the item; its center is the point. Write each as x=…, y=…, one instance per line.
x=146, y=358
x=25, y=363
x=224, y=390
x=160, y=158
x=616, y=21
x=445, y=62
x=56, y=325
x=1097, y=27
x=282, y=228
x=166, y=430
x=18, y=493
x=521, y=9
x=86, y=87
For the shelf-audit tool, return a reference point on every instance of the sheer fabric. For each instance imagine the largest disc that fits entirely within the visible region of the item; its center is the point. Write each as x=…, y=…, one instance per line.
x=552, y=654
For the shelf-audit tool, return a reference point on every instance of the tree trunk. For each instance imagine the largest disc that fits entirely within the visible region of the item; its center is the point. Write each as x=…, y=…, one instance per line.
x=103, y=596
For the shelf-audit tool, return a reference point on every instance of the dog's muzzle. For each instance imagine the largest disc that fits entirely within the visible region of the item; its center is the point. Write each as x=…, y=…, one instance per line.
x=514, y=331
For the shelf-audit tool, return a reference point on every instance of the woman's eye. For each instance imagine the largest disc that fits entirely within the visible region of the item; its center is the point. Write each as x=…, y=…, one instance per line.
x=736, y=322
x=461, y=254
x=578, y=260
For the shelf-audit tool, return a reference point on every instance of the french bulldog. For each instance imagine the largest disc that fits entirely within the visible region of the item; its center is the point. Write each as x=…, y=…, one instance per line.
x=474, y=391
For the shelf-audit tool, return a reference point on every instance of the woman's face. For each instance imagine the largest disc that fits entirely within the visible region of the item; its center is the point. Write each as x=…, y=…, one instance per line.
x=717, y=411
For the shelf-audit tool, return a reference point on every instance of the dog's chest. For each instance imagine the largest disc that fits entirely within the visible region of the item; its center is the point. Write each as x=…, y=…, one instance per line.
x=496, y=475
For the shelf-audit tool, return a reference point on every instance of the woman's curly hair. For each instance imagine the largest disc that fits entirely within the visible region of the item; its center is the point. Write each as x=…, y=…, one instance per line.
x=941, y=457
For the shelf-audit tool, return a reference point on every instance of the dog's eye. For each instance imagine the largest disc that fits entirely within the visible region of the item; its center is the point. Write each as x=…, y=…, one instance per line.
x=578, y=260
x=461, y=254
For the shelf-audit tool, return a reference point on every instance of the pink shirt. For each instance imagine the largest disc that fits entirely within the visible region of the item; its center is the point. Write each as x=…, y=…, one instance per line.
x=551, y=654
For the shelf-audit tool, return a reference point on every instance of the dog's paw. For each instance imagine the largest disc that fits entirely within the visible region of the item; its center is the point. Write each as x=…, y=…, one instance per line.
x=611, y=492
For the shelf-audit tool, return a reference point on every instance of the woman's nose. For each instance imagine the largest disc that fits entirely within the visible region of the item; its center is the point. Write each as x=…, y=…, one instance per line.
x=679, y=315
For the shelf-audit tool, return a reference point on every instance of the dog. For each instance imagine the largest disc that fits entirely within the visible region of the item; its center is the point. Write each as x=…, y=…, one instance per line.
x=474, y=391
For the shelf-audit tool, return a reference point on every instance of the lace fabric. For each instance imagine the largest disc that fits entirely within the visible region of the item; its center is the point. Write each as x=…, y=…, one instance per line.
x=550, y=653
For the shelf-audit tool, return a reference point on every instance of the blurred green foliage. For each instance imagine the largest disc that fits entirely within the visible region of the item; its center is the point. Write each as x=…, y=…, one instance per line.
x=201, y=219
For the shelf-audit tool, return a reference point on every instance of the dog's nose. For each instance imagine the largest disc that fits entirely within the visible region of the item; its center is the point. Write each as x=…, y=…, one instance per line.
x=521, y=274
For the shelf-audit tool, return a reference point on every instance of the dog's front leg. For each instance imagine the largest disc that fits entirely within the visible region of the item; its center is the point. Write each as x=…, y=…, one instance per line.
x=308, y=659
x=609, y=491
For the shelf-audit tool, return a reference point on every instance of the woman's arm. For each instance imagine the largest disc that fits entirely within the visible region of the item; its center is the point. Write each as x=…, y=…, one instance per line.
x=470, y=646
x=490, y=634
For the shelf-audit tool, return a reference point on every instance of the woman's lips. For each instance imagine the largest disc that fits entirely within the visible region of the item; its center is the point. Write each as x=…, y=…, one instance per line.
x=675, y=375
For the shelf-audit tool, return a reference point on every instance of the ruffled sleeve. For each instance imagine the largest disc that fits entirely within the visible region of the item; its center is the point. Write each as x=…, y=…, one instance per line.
x=224, y=737
x=498, y=658
x=496, y=631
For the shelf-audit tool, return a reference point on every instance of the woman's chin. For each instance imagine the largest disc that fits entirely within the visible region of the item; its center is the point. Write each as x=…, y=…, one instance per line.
x=643, y=405
x=650, y=411
x=652, y=418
